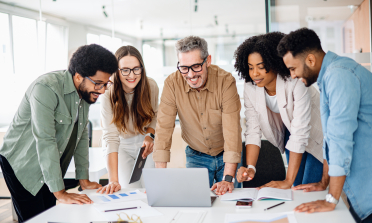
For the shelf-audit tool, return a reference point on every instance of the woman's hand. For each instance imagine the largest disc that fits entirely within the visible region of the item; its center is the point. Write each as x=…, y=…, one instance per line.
x=110, y=188
x=149, y=144
x=245, y=174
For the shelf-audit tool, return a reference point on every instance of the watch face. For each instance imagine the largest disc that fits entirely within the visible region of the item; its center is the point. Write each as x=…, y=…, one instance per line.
x=152, y=135
x=228, y=178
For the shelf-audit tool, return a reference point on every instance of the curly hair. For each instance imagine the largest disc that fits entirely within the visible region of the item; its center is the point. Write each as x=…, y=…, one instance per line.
x=89, y=59
x=265, y=45
x=298, y=42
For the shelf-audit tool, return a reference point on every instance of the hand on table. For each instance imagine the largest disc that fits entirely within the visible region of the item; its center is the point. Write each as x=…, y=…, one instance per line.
x=223, y=187
x=110, y=188
x=315, y=206
x=311, y=187
x=149, y=144
x=71, y=198
x=245, y=174
x=86, y=184
x=278, y=184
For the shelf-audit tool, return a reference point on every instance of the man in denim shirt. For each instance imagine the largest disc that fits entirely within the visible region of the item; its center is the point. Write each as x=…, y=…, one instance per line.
x=346, y=112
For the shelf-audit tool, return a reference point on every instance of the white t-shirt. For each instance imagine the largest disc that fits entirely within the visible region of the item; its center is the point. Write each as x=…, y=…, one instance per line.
x=272, y=103
x=77, y=113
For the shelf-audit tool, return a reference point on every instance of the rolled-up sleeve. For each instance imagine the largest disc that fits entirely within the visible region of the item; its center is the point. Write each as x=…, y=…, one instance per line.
x=110, y=132
x=165, y=123
x=231, y=122
x=43, y=102
x=253, y=131
x=154, y=103
x=344, y=94
x=300, y=124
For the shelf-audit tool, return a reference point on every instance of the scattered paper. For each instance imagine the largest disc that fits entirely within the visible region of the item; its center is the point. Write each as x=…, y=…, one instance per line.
x=284, y=217
x=117, y=197
x=189, y=216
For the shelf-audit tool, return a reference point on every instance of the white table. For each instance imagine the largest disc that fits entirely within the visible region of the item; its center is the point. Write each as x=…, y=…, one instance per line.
x=215, y=214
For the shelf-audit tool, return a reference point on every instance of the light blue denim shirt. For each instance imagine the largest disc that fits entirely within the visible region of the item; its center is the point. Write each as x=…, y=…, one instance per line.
x=346, y=112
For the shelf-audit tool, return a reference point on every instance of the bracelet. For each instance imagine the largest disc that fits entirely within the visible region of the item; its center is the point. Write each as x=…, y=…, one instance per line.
x=252, y=167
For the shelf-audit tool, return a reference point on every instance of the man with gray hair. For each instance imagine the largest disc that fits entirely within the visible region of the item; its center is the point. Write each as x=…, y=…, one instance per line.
x=208, y=105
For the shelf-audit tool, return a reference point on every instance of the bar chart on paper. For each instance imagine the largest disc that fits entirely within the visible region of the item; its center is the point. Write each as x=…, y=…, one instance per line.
x=117, y=197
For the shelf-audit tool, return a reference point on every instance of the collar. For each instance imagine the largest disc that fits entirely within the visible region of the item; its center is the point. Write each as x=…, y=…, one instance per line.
x=68, y=85
x=211, y=81
x=327, y=60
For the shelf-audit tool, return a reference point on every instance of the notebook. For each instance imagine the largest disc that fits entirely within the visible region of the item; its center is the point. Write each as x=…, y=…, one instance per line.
x=247, y=194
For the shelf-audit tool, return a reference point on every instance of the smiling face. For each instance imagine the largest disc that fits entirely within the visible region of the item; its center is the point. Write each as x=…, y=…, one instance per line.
x=257, y=71
x=129, y=82
x=299, y=69
x=86, y=88
x=196, y=80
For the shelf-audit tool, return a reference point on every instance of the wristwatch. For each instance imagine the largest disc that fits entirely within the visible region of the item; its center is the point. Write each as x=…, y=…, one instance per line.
x=228, y=178
x=331, y=199
x=151, y=135
x=251, y=167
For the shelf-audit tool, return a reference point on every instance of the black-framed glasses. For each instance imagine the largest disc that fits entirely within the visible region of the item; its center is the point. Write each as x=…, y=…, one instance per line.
x=195, y=67
x=99, y=86
x=126, y=71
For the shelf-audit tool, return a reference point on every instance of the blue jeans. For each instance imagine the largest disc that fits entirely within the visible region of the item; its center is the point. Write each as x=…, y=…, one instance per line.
x=311, y=169
x=214, y=164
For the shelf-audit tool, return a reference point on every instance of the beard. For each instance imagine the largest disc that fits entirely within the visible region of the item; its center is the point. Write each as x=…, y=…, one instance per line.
x=309, y=76
x=85, y=94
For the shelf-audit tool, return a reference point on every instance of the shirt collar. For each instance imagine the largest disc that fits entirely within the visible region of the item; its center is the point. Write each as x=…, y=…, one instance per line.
x=68, y=86
x=327, y=60
x=211, y=81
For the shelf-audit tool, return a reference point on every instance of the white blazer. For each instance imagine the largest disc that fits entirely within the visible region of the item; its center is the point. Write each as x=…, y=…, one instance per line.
x=299, y=109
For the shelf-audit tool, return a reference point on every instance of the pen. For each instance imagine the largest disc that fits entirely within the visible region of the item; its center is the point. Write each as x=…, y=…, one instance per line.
x=121, y=209
x=274, y=206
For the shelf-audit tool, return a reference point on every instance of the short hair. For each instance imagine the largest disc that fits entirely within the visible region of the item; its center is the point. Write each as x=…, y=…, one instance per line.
x=265, y=45
x=89, y=59
x=298, y=42
x=191, y=43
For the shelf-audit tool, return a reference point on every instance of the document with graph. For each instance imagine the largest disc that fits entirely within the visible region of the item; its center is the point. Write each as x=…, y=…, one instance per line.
x=246, y=194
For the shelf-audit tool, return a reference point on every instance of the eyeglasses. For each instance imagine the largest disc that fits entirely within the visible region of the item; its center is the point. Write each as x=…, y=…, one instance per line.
x=126, y=71
x=134, y=218
x=99, y=86
x=195, y=67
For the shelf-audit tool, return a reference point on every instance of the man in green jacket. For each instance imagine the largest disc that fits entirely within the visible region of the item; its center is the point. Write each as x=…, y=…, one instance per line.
x=49, y=128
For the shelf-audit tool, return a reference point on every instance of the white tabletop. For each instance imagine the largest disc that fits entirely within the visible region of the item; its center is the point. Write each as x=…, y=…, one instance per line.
x=215, y=214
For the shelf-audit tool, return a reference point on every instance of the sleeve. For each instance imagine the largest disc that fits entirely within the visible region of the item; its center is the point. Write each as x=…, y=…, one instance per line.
x=110, y=133
x=81, y=156
x=165, y=123
x=300, y=124
x=231, y=122
x=43, y=102
x=343, y=92
x=155, y=104
x=253, y=133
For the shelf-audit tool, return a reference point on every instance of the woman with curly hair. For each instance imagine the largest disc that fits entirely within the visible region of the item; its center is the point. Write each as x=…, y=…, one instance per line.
x=128, y=119
x=278, y=107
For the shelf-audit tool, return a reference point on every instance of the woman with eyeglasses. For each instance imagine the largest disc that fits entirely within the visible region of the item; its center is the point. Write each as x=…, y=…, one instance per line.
x=283, y=109
x=128, y=119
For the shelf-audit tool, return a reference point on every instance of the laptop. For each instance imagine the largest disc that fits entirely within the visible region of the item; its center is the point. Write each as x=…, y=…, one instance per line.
x=179, y=187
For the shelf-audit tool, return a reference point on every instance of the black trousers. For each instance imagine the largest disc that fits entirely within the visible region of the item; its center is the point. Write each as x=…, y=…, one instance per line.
x=25, y=204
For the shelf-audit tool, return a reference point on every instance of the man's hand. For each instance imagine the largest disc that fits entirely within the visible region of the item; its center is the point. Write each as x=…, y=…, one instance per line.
x=70, y=198
x=149, y=144
x=110, y=188
x=245, y=174
x=86, y=185
x=160, y=165
x=278, y=184
x=315, y=206
x=311, y=187
x=222, y=187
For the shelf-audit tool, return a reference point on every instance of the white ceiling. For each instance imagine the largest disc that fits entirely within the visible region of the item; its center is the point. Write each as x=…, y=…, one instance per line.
x=177, y=18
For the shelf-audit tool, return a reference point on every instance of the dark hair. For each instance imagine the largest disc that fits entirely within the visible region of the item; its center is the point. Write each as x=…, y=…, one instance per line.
x=265, y=45
x=89, y=59
x=141, y=111
x=299, y=41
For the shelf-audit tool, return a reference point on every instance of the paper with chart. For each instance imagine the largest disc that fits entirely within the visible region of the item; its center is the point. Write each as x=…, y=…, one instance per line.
x=98, y=198
x=143, y=210
x=254, y=194
x=284, y=217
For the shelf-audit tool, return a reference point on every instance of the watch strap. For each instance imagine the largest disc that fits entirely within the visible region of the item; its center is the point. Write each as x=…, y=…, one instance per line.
x=252, y=167
x=331, y=199
x=228, y=178
x=150, y=135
